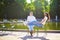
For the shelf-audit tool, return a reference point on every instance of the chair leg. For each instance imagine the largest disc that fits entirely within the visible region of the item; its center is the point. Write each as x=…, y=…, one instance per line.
x=45, y=30
x=37, y=32
x=28, y=32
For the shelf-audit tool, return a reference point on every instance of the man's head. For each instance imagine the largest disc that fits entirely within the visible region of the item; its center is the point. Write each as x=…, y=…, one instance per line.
x=31, y=13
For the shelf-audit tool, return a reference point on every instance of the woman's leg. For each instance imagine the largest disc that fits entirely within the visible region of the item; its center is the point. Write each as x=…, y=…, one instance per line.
x=36, y=23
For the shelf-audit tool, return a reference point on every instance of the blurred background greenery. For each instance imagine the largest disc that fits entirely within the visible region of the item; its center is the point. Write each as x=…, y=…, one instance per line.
x=19, y=9
x=10, y=9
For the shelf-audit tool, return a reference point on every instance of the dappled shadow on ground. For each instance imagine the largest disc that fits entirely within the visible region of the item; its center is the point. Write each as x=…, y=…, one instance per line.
x=29, y=37
x=3, y=34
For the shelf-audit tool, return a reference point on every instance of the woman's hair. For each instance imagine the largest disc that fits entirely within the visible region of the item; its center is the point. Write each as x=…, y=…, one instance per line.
x=47, y=14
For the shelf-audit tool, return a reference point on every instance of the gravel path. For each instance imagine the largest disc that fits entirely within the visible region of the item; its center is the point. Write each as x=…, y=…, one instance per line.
x=12, y=35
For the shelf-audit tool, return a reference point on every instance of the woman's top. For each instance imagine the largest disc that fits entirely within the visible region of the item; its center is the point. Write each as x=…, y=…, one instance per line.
x=44, y=20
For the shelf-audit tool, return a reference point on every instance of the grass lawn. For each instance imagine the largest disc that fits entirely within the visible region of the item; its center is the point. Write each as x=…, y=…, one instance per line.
x=48, y=26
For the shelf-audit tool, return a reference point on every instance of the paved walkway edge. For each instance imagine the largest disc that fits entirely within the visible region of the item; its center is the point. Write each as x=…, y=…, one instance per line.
x=26, y=30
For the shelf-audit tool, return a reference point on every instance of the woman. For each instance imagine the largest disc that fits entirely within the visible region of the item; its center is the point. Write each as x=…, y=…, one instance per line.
x=39, y=24
x=30, y=18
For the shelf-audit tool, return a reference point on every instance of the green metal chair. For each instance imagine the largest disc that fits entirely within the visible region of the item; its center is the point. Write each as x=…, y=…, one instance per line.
x=44, y=29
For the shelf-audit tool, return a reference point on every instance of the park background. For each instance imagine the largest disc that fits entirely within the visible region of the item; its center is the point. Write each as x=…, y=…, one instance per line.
x=18, y=10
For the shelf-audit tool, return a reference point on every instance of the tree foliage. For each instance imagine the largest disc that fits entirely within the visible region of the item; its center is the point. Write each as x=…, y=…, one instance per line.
x=20, y=8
